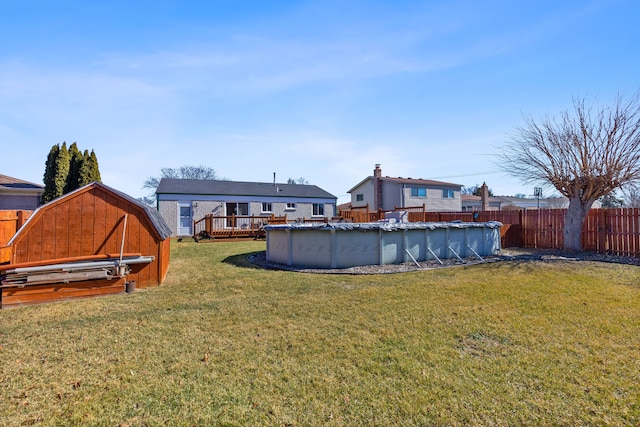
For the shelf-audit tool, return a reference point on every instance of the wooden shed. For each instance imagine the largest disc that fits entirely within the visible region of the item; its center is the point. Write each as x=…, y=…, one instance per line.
x=92, y=241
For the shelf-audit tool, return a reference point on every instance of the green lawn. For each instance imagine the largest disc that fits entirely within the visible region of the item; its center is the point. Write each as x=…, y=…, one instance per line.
x=510, y=343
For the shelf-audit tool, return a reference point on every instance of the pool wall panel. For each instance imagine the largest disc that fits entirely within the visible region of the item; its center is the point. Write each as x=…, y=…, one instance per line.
x=343, y=246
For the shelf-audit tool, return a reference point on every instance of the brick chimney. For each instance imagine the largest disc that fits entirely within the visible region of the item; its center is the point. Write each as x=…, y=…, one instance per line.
x=484, y=195
x=377, y=187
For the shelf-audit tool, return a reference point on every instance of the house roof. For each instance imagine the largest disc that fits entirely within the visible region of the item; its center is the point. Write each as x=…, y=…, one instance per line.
x=472, y=198
x=10, y=183
x=411, y=181
x=239, y=188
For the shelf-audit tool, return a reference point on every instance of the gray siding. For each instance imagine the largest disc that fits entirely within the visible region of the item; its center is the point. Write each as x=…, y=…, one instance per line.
x=200, y=208
x=391, y=195
x=302, y=210
x=19, y=202
x=366, y=189
x=168, y=209
x=436, y=203
x=169, y=212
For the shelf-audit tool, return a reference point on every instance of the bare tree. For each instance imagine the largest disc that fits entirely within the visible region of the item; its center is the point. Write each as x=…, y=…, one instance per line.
x=631, y=195
x=556, y=202
x=474, y=190
x=183, y=172
x=584, y=154
x=301, y=181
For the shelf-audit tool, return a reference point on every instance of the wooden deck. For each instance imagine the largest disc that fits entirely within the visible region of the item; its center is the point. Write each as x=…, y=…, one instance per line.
x=234, y=226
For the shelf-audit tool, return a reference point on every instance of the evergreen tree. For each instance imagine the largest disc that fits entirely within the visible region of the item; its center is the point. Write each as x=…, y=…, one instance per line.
x=67, y=170
x=611, y=200
x=95, y=170
x=63, y=161
x=49, y=174
x=85, y=174
x=74, y=168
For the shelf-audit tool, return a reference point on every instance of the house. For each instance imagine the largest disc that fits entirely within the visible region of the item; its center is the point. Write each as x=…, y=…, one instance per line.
x=92, y=241
x=387, y=193
x=482, y=202
x=16, y=194
x=498, y=203
x=474, y=203
x=181, y=201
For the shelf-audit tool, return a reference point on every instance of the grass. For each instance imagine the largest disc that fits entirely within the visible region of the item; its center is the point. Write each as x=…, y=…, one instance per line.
x=221, y=343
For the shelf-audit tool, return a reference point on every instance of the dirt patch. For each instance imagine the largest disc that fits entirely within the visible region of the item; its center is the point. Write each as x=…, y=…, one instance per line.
x=510, y=254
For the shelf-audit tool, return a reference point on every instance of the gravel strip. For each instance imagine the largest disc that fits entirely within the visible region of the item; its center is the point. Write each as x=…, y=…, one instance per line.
x=510, y=254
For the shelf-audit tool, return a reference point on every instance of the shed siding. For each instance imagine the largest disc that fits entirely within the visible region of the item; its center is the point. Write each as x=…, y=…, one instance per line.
x=60, y=291
x=90, y=223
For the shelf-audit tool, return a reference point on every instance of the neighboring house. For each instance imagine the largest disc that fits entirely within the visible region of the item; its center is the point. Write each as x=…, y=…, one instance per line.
x=498, y=203
x=543, y=203
x=387, y=193
x=472, y=203
x=509, y=202
x=181, y=201
x=16, y=194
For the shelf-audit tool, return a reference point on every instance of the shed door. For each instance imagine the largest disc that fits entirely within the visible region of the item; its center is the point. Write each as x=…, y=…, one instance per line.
x=184, y=220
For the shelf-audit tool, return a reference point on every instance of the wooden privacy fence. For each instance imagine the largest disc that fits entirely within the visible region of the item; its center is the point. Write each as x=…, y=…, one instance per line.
x=10, y=222
x=613, y=231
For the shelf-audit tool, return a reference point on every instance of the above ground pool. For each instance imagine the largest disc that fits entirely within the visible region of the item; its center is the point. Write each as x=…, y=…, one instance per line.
x=343, y=245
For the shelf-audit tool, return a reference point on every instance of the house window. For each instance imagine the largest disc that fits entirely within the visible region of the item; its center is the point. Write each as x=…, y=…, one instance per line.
x=318, y=209
x=266, y=207
x=359, y=197
x=291, y=206
x=234, y=208
x=418, y=192
x=447, y=194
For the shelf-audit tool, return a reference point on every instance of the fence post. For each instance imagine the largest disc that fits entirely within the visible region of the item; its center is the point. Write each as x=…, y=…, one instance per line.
x=21, y=219
x=602, y=228
x=522, y=233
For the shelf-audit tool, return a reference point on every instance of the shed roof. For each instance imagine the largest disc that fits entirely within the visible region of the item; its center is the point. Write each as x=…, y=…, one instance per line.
x=153, y=215
x=239, y=188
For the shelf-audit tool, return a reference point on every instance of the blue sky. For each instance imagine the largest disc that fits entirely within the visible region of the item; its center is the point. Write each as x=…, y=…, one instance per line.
x=317, y=89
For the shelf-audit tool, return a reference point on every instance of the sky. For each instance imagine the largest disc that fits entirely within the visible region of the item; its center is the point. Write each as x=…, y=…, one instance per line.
x=321, y=90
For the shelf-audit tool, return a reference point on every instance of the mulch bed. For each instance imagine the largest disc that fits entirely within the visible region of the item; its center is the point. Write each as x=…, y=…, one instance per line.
x=509, y=254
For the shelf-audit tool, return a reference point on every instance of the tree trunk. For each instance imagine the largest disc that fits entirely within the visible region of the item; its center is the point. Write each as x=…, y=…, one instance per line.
x=573, y=221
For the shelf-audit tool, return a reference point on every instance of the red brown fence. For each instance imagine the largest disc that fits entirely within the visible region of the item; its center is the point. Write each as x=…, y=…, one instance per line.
x=10, y=222
x=612, y=231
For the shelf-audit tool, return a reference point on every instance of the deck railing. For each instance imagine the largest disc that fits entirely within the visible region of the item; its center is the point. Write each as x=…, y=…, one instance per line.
x=211, y=226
